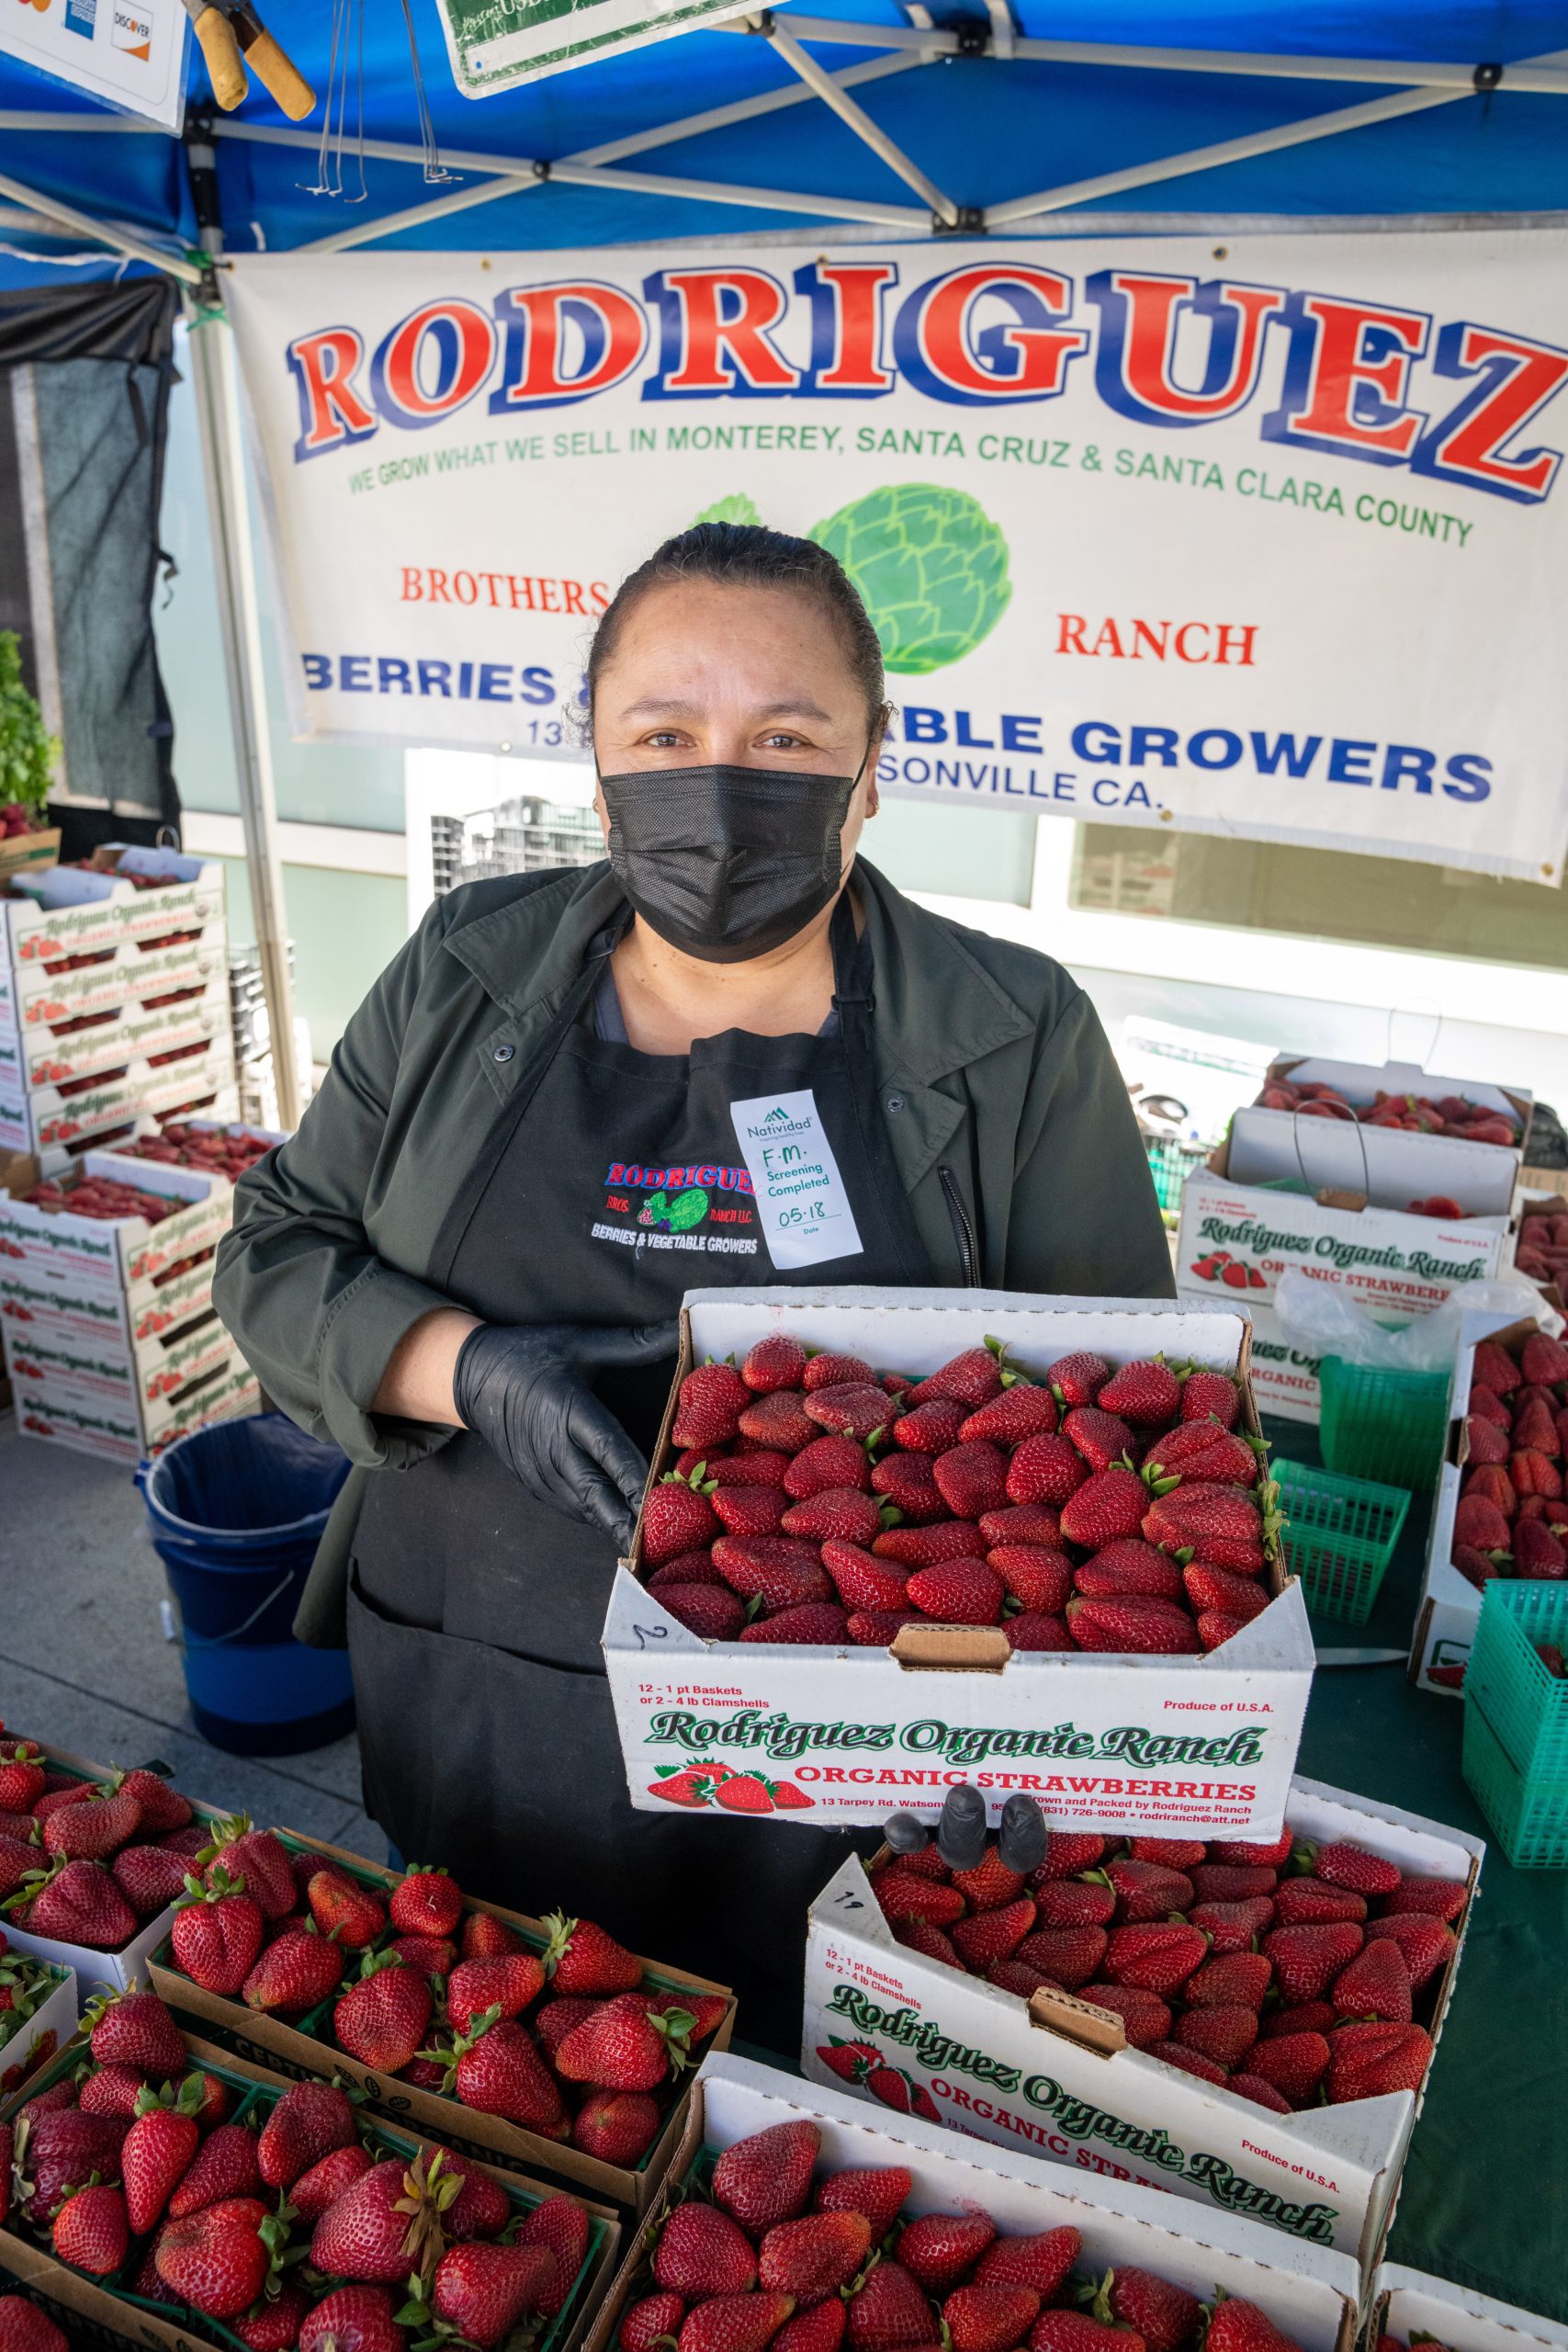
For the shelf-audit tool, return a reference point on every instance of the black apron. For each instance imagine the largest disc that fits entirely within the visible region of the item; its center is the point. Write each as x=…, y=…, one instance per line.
x=474, y=1613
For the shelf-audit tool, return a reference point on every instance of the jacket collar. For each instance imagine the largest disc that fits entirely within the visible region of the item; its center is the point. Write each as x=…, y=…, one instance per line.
x=937, y=1007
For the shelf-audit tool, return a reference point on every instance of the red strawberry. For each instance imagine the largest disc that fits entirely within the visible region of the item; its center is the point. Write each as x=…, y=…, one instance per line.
x=1538, y=1553
x=1020, y=1411
x=1535, y=1430
x=1137, y=1625
x=779, y=1571
x=487, y=1937
x=817, y=1624
x=973, y=1378
x=617, y=2126
x=777, y=1361
x=1239, y=2326
x=710, y=1611
x=1155, y=1957
x=1211, y=1396
x=702, y=2252
x=643, y=2323
x=159, y=2150
x=1427, y=1945
x=309, y=2120
x=1067, y=1851
x=81, y=1906
x=931, y=1428
x=958, y=1592
x=1444, y=1898
x=840, y=1513
x=1480, y=1524
x=1041, y=2261
x=1370, y=2060
x=878, y=1629
x=813, y=2256
x=993, y=1934
x=258, y=1857
x=382, y=2227
x=1231, y=1927
x=1295, y=2063
x=827, y=1461
x=1201, y=1454
x=818, y=2329
x=930, y=1942
x=91, y=2230
x=1146, y=1890
x=1031, y=1523
x=1240, y=1597
x=1222, y=1525
x=1487, y=1405
x=1167, y=1853
x=757, y=1466
x=1489, y=1482
x=734, y=2323
x=508, y=1983
x=990, y=1883
x=780, y=1421
x=1069, y=1955
x=826, y=1370
x=293, y=1973
x=381, y=2019
x=22, y=1777
x=752, y=1511
x=481, y=2291
x=1100, y=1438
x=1376, y=1984
x=905, y=1480
x=136, y=2030
x=1300, y=2017
x=708, y=1406
x=1307, y=1960
x=1186, y=2060
x=625, y=2046
x=1107, y=1508
x=352, y=2318
x=1233, y=1881
x=1241, y=1977
x=1544, y=1360
x=1130, y=1567
x=1487, y=1442
x=853, y=1409
x=1342, y=1864
x=677, y=1517
x=557, y=2223
x=322, y=2184
x=91, y=1829
x=1074, y=1902
x=1046, y=1470
x=1033, y=1629
x=1248, y=2086
x=216, y=2260
x=148, y=1878
x=113, y=2091
x=941, y=2248
x=1057, y=2331
x=906, y=1894
x=1144, y=2017
x=988, y=2318
x=861, y=1580
x=971, y=1478
x=217, y=1932
x=1223, y=2034
x=1077, y=1379
x=1145, y=1391
x=1165, y=2316
x=927, y=1547
x=880, y=2193
x=24, y=2327
x=498, y=2071
x=275, y=2322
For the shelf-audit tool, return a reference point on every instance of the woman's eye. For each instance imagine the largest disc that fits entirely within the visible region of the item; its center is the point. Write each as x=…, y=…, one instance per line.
x=782, y=740
x=661, y=740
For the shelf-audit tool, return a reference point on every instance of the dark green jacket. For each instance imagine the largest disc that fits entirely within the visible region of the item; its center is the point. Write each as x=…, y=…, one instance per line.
x=991, y=1066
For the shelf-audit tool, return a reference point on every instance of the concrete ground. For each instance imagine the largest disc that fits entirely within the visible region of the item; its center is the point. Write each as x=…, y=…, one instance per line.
x=85, y=1663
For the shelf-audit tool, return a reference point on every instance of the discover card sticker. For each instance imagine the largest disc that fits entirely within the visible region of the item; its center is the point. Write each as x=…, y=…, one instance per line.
x=800, y=1194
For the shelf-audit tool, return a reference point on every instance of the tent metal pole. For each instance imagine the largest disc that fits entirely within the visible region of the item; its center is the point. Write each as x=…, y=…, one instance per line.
x=765, y=199
x=870, y=135
x=439, y=208
x=99, y=233
x=215, y=378
x=1229, y=151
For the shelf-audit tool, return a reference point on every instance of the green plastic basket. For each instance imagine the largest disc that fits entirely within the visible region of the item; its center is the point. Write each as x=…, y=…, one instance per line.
x=1341, y=1536
x=1528, y=1817
x=1384, y=1425
x=1527, y=1706
x=1170, y=1164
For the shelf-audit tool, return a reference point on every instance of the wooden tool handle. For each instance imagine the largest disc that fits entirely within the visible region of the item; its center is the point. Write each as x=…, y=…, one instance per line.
x=221, y=51
x=282, y=76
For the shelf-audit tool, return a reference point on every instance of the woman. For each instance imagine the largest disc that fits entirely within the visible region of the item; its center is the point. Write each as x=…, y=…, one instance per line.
x=465, y=1266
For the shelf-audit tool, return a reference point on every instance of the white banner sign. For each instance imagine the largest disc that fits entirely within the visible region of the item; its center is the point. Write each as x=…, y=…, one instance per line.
x=129, y=53
x=1262, y=538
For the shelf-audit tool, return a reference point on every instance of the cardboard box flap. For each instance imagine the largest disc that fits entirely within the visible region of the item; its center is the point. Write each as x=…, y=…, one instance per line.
x=974, y=1648
x=1409, y=2302
x=1090, y=2028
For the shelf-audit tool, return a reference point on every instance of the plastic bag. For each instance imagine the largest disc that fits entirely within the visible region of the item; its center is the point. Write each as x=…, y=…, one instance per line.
x=1317, y=1318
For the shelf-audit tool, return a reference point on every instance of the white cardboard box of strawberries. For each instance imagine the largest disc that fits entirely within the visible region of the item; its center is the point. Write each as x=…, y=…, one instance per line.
x=1007, y=1581
x=1116, y=2016
x=1406, y=2308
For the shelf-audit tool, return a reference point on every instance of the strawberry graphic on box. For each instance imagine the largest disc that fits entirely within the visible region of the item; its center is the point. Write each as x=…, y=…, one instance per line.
x=697, y=1785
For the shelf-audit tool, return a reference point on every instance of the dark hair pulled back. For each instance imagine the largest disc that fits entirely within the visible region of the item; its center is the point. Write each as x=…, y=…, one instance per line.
x=748, y=555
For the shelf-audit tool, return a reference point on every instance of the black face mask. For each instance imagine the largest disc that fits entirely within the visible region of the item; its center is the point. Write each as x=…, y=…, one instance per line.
x=725, y=863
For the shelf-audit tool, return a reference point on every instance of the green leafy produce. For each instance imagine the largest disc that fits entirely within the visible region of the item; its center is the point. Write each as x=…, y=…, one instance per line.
x=28, y=751
x=931, y=566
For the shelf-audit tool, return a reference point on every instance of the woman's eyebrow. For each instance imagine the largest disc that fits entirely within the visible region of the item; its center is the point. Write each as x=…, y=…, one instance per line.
x=658, y=707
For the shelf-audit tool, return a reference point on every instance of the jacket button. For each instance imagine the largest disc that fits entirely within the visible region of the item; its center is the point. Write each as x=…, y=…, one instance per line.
x=504, y=1053
x=894, y=1102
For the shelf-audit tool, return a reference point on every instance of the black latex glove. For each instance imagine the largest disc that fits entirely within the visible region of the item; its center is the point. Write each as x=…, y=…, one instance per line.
x=962, y=1836
x=523, y=1388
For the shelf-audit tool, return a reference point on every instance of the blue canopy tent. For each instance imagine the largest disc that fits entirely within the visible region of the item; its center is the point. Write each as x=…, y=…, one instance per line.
x=865, y=118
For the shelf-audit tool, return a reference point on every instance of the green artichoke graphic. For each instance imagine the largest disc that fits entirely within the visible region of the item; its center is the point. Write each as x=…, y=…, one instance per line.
x=931, y=566
x=737, y=508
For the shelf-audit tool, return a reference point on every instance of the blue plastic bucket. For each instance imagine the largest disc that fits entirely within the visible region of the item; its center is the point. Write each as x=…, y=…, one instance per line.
x=237, y=1510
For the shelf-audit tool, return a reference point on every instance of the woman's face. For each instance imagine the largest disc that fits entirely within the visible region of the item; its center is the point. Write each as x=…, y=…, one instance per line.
x=705, y=675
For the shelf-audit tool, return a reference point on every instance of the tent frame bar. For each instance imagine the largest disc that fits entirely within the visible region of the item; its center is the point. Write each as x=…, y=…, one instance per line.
x=99, y=233
x=870, y=134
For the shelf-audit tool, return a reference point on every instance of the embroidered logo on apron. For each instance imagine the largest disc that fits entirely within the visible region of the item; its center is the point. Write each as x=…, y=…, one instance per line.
x=701, y=1207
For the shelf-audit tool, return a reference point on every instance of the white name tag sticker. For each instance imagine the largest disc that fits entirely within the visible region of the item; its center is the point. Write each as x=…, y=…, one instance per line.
x=805, y=1210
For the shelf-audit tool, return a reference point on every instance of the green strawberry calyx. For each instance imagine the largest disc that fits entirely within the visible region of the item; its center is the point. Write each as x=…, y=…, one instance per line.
x=674, y=2027
x=694, y=1479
